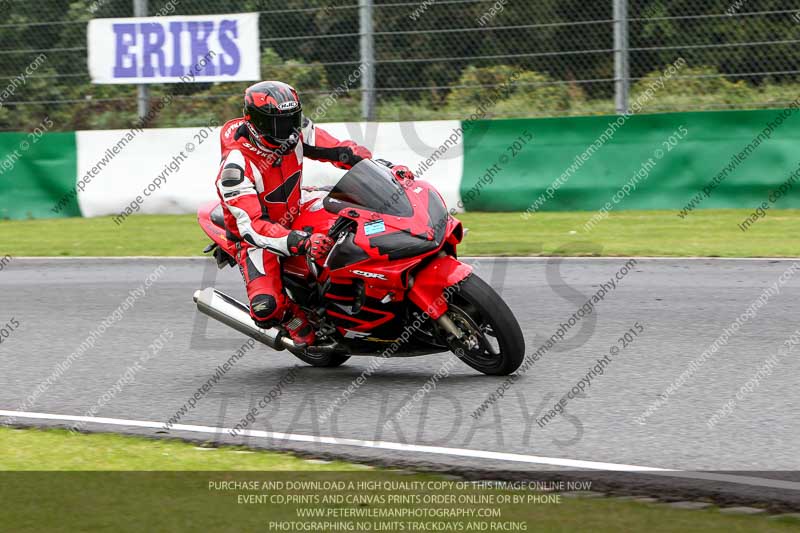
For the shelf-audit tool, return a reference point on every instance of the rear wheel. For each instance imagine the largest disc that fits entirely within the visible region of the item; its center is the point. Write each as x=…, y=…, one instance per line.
x=491, y=339
x=322, y=360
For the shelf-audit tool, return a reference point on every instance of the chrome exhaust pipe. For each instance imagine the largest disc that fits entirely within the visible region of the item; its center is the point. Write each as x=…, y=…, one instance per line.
x=235, y=314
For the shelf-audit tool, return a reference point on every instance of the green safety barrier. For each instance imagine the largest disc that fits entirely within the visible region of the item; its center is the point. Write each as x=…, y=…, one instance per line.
x=37, y=173
x=669, y=158
x=664, y=161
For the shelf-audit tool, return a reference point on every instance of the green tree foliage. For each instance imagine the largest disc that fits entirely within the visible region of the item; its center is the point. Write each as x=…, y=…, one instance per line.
x=438, y=64
x=529, y=93
x=698, y=87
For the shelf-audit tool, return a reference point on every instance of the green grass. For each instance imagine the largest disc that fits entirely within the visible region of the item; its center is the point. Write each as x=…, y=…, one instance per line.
x=30, y=450
x=64, y=496
x=711, y=233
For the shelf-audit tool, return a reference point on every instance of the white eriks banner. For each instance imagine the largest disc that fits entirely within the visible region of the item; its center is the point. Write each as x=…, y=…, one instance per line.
x=175, y=49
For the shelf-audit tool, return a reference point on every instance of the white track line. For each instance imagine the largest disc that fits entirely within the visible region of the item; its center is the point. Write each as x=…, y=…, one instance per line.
x=417, y=448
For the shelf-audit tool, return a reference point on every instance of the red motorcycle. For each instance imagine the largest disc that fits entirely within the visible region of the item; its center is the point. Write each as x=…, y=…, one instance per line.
x=391, y=286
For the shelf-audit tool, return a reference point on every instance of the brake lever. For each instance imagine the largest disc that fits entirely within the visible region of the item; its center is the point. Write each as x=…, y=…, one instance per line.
x=313, y=268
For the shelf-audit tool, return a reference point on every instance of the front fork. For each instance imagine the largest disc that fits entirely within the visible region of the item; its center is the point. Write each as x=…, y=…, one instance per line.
x=450, y=327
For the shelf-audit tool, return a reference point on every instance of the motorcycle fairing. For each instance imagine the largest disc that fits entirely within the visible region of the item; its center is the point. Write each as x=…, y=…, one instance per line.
x=368, y=275
x=429, y=283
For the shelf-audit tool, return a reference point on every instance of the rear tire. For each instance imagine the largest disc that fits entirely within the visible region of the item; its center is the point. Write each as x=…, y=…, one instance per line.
x=477, y=308
x=323, y=360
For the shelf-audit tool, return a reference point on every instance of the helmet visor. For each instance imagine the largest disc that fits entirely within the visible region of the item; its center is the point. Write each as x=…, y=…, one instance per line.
x=277, y=127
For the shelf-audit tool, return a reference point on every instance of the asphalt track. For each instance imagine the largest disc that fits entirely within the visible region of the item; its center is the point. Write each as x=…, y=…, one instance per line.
x=683, y=306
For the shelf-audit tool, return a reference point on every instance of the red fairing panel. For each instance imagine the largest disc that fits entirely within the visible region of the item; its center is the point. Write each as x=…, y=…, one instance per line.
x=216, y=233
x=427, y=293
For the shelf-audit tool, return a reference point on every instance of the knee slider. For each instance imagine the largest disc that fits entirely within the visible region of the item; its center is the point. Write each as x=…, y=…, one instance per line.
x=263, y=306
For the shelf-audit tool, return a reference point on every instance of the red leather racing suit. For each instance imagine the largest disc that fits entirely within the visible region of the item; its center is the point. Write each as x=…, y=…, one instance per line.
x=260, y=195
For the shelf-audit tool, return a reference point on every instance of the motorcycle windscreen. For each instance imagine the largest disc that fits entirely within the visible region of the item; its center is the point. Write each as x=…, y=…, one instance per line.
x=405, y=243
x=371, y=186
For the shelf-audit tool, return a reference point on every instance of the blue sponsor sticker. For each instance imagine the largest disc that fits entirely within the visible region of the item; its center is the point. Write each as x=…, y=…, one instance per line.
x=376, y=226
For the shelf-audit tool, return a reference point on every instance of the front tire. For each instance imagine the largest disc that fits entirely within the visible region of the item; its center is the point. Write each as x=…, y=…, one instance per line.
x=493, y=343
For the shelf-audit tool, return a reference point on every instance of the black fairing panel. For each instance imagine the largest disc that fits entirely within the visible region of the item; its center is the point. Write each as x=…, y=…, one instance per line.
x=218, y=217
x=402, y=244
x=346, y=253
x=437, y=216
x=301, y=292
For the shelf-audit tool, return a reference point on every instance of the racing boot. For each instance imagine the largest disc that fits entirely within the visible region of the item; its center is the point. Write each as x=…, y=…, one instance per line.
x=298, y=327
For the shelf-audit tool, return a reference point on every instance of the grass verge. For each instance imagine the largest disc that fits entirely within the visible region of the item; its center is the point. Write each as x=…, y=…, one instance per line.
x=47, y=485
x=711, y=233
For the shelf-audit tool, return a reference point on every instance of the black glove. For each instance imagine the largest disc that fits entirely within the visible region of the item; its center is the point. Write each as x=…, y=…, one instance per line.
x=316, y=245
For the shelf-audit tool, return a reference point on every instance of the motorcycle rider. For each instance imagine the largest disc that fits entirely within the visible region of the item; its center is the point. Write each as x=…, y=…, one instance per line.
x=259, y=186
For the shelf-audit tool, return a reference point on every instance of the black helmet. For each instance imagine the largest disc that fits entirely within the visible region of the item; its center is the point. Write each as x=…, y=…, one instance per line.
x=274, y=114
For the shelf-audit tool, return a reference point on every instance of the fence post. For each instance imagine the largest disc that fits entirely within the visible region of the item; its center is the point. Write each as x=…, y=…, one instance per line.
x=142, y=90
x=367, y=60
x=621, y=57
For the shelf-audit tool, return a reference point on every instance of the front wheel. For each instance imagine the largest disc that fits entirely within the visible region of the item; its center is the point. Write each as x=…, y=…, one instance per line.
x=491, y=339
